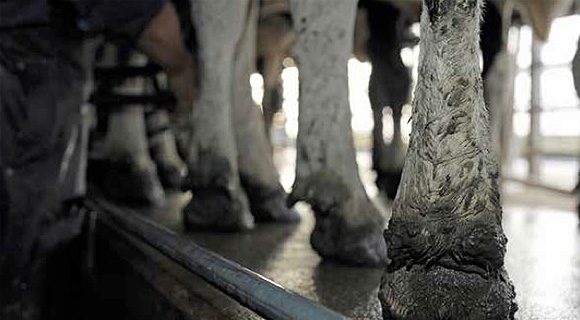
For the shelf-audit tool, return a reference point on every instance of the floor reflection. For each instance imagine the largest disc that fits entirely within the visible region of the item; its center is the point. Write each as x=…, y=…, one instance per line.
x=544, y=261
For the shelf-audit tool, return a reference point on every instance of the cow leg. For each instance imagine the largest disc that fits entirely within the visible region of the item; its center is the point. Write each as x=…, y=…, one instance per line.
x=121, y=164
x=272, y=101
x=389, y=87
x=389, y=175
x=126, y=146
x=275, y=39
x=388, y=159
x=163, y=147
x=218, y=199
x=257, y=171
x=576, y=69
x=496, y=77
x=445, y=239
x=576, y=75
x=348, y=226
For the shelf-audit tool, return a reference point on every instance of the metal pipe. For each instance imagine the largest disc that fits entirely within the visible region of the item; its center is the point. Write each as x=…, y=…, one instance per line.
x=266, y=298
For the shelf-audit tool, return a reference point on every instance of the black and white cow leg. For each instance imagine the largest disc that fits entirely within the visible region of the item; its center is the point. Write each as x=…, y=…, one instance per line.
x=391, y=165
x=348, y=226
x=445, y=238
x=170, y=166
x=258, y=174
x=218, y=202
x=389, y=86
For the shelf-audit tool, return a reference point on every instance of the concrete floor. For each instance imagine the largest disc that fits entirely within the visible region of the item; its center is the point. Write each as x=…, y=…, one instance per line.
x=543, y=258
x=543, y=253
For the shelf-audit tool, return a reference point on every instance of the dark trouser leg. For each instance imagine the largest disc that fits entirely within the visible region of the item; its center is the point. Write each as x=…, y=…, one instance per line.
x=39, y=108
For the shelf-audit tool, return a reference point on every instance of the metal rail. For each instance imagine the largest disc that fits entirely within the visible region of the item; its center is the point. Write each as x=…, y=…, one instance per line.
x=266, y=298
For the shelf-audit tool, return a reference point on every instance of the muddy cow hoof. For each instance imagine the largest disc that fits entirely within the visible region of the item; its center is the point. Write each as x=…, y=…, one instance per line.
x=127, y=182
x=418, y=293
x=336, y=239
x=274, y=209
x=348, y=228
x=388, y=182
x=213, y=209
x=172, y=176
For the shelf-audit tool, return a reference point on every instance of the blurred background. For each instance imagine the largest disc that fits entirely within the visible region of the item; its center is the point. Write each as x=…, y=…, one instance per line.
x=544, y=140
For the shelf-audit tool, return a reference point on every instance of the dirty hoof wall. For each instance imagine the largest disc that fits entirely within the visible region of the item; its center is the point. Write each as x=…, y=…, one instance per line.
x=349, y=239
x=172, y=176
x=127, y=182
x=213, y=209
x=439, y=293
x=273, y=208
x=348, y=228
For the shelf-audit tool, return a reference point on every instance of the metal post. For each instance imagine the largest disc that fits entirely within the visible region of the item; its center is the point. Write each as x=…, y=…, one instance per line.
x=266, y=298
x=535, y=109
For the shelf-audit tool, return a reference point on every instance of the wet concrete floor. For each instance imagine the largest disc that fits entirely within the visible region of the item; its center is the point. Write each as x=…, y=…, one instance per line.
x=543, y=257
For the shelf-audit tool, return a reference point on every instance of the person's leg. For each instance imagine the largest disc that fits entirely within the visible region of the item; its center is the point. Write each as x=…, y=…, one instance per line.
x=39, y=105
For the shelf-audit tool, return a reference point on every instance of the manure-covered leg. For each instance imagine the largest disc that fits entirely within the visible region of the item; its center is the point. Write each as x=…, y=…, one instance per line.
x=256, y=166
x=218, y=199
x=445, y=239
x=348, y=226
x=389, y=86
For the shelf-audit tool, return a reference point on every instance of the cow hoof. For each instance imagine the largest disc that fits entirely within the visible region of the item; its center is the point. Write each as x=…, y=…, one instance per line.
x=351, y=242
x=388, y=182
x=127, y=182
x=213, y=209
x=349, y=228
x=172, y=176
x=274, y=209
x=418, y=293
